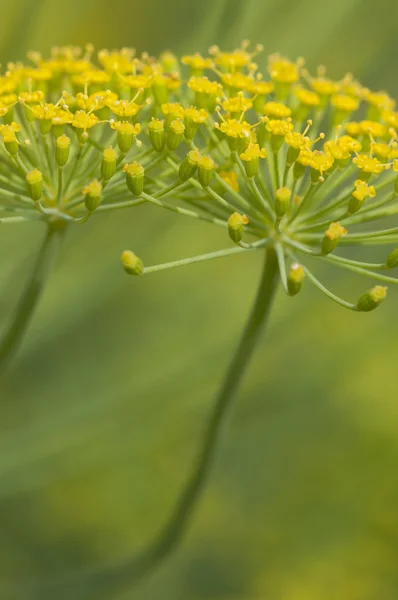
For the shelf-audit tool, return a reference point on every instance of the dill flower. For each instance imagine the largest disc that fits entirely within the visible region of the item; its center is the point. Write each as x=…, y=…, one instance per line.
x=84, y=134
x=282, y=162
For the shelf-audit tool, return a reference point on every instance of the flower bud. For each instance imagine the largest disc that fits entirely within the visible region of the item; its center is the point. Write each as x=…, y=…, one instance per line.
x=189, y=165
x=131, y=263
x=298, y=170
x=251, y=159
x=292, y=155
x=34, y=179
x=175, y=134
x=126, y=134
x=62, y=150
x=332, y=237
x=295, y=279
x=82, y=135
x=11, y=143
x=282, y=201
x=108, y=165
x=371, y=299
x=160, y=91
x=236, y=224
x=392, y=260
x=156, y=134
x=93, y=193
x=135, y=178
x=206, y=170
x=192, y=119
x=45, y=126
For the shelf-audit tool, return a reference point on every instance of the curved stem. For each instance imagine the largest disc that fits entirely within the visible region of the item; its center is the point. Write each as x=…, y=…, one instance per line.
x=15, y=332
x=105, y=582
x=132, y=572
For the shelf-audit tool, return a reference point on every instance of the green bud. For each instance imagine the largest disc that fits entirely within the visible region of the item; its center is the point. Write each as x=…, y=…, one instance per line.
x=392, y=260
x=34, y=179
x=277, y=142
x=332, y=237
x=11, y=145
x=282, y=201
x=295, y=279
x=62, y=150
x=189, y=165
x=131, y=263
x=371, y=299
x=93, y=193
x=135, y=174
x=354, y=205
x=259, y=104
x=292, y=155
x=156, y=134
x=160, y=91
x=175, y=134
x=263, y=135
x=82, y=135
x=126, y=134
x=45, y=126
x=298, y=170
x=206, y=170
x=236, y=224
x=108, y=165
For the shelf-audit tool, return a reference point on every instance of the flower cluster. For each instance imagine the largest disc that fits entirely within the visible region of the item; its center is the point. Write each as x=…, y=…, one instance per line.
x=283, y=159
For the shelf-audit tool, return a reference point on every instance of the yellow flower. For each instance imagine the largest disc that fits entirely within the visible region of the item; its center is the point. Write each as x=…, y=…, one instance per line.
x=203, y=85
x=345, y=104
x=234, y=128
x=363, y=190
x=44, y=111
x=373, y=128
x=125, y=127
x=173, y=109
x=369, y=164
x=84, y=120
x=391, y=118
x=278, y=127
x=381, y=100
x=283, y=70
x=385, y=151
x=307, y=97
x=233, y=60
x=335, y=231
x=324, y=87
x=238, y=104
x=118, y=62
x=196, y=62
x=124, y=108
x=92, y=77
x=230, y=178
x=260, y=88
x=252, y=152
x=237, y=81
x=277, y=110
x=297, y=140
x=136, y=82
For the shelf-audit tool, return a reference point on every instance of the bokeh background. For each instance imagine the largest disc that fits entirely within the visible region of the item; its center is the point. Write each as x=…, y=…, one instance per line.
x=103, y=409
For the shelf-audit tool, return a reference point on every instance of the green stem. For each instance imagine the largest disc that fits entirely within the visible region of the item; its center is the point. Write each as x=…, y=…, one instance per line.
x=16, y=331
x=132, y=572
x=129, y=573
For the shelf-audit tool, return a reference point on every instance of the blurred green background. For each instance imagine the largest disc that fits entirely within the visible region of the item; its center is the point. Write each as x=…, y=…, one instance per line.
x=102, y=411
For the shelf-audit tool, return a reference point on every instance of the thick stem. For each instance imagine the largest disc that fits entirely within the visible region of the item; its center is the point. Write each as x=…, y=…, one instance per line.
x=132, y=572
x=104, y=583
x=15, y=332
